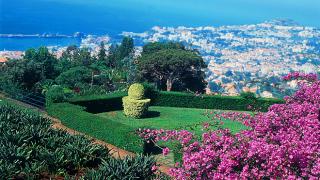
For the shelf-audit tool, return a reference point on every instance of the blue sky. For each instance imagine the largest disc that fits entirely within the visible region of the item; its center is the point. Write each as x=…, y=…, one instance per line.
x=99, y=16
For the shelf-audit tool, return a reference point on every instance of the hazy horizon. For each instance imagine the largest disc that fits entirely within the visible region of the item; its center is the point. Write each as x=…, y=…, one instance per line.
x=114, y=16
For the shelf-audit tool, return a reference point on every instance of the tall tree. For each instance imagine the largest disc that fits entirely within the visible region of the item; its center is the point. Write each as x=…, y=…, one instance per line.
x=171, y=66
x=126, y=48
x=102, y=52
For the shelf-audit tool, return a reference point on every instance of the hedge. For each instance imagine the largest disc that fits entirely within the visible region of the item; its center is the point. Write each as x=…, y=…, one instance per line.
x=115, y=133
x=178, y=99
x=100, y=103
x=112, y=102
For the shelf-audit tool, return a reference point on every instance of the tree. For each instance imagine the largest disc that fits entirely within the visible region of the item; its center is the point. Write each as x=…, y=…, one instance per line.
x=170, y=66
x=102, y=52
x=126, y=48
x=157, y=46
x=74, y=76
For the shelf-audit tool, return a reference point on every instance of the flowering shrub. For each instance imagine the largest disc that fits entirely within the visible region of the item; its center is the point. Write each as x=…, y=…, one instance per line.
x=283, y=143
x=300, y=76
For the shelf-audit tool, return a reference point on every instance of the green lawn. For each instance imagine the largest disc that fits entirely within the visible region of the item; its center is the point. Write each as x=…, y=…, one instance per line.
x=169, y=118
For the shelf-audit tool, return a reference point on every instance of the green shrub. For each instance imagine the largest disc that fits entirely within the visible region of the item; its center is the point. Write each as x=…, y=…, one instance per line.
x=134, y=105
x=139, y=167
x=136, y=91
x=248, y=95
x=112, y=101
x=55, y=94
x=135, y=108
x=100, y=103
x=150, y=90
x=178, y=99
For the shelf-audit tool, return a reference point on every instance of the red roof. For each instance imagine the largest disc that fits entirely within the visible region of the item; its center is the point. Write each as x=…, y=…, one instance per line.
x=3, y=59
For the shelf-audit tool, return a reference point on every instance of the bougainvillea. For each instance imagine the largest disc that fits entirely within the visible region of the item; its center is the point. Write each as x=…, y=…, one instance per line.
x=301, y=76
x=283, y=143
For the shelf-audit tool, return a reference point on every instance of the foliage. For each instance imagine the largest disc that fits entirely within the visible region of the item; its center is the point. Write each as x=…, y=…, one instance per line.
x=100, y=103
x=76, y=67
x=157, y=46
x=248, y=95
x=136, y=108
x=282, y=143
x=109, y=131
x=102, y=52
x=74, y=76
x=140, y=167
x=29, y=147
x=136, y=91
x=112, y=101
x=171, y=66
x=134, y=105
x=150, y=90
x=178, y=99
x=301, y=76
x=55, y=94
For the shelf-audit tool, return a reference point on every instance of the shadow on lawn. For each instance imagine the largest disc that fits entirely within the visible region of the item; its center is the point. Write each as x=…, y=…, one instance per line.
x=152, y=114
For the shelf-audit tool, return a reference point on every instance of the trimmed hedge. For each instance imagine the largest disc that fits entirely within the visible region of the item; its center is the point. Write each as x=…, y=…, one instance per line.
x=115, y=133
x=178, y=99
x=100, y=103
x=112, y=102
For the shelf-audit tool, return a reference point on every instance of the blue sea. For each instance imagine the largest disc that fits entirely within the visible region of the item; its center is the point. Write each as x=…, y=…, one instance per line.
x=112, y=17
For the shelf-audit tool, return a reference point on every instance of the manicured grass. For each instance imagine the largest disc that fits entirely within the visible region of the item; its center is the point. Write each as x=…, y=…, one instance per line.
x=170, y=118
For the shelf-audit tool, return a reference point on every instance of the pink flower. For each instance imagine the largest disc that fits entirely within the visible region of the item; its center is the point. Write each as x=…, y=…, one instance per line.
x=165, y=151
x=154, y=168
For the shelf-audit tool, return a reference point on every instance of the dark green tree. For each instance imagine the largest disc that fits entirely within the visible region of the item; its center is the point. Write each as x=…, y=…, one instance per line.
x=102, y=52
x=157, y=46
x=126, y=48
x=174, y=67
x=74, y=76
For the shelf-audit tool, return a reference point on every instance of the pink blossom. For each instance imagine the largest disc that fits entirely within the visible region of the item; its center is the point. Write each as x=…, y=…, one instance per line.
x=165, y=151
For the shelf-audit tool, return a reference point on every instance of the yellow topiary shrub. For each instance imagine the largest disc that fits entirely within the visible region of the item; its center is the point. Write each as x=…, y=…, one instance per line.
x=136, y=91
x=134, y=105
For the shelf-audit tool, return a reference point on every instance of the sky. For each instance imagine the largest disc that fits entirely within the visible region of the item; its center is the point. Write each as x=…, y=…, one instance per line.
x=98, y=16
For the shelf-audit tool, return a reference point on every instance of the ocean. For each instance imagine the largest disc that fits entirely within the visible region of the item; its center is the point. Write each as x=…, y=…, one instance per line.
x=99, y=17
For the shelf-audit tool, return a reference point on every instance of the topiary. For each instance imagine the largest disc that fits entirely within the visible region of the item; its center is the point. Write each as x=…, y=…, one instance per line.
x=136, y=91
x=134, y=105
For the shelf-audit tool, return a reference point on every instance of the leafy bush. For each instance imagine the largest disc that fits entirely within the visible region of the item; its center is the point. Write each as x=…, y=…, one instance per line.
x=248, y=95
x=177, y=99
x=150, y=90
x=100, y=103
x=55, y=94
x=29, y=147
x=73, y=76
x=136, y=91
x=135, y=108
x=140, y=167
x=134, y=105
